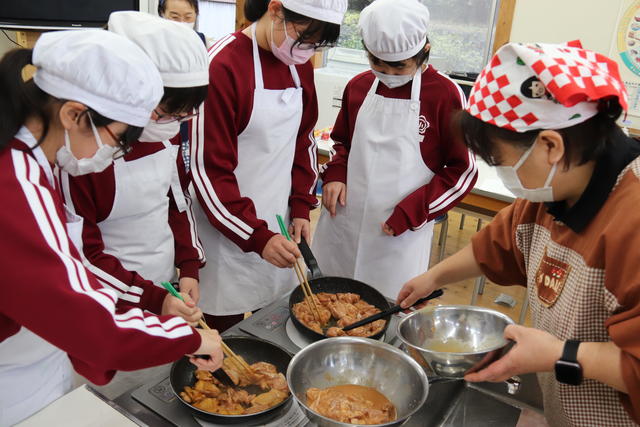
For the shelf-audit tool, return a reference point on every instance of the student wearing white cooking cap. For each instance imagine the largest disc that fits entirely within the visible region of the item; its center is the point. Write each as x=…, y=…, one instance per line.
x=91, y=94
x=186, y=13
x=397, y=166
x=254, y=155
x=138, y=227
x=545, y=116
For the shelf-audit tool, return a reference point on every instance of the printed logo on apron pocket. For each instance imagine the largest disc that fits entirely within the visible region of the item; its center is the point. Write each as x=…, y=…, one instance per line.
x=550, y=279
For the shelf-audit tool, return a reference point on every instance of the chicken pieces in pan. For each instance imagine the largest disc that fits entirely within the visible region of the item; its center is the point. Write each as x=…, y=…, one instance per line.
x=209, y=394
x=345, y=309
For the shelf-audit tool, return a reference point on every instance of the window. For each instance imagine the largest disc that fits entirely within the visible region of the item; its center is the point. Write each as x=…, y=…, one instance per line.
x=461, y=33
x=217, y=18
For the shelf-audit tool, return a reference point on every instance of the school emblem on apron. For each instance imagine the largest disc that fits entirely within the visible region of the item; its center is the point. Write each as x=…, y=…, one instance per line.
x=550, y=279
x=423, y=124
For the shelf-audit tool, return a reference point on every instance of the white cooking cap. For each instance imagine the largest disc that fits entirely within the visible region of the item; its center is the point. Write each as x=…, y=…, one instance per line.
x=102, y=70
x=323, y=10
x=394, y=30
x=177, y=51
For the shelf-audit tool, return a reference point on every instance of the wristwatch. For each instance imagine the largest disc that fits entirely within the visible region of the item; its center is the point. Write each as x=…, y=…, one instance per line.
x=568, y=370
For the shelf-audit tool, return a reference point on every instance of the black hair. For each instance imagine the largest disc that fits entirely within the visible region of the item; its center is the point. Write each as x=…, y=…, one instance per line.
x=327, y=33
x=162, y=6
x=583, y=142
x=183, y=99
x=420, y=58
x=20, y=100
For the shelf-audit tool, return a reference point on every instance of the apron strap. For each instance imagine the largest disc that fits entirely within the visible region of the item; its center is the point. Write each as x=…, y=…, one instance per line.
x=374, y=87
x=257, y=66
x=416, y=85
x=294, y=74
x=176, y=188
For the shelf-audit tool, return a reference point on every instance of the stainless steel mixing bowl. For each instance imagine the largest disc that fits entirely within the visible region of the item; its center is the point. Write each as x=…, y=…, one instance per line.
x=360, y=361
x=475, y=335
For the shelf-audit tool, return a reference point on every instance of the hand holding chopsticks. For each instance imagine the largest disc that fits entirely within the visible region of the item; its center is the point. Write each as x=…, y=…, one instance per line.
x=302, y=277
x=238, y=361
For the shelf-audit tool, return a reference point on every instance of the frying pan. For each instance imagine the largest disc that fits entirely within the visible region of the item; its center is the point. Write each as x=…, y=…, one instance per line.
x=252, y=350
x=333, y=285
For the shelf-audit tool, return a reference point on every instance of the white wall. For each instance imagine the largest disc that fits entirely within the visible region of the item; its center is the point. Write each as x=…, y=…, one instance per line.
x=556, y=21
x=217, y=19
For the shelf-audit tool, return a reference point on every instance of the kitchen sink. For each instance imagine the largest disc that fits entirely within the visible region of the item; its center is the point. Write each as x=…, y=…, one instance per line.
x=458, y=403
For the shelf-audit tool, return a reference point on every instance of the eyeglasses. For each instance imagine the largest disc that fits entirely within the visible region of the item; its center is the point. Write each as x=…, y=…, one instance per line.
x=123, y=149
x=318, y=47
x=113, y=135
x=313, y=46
x=170, y=118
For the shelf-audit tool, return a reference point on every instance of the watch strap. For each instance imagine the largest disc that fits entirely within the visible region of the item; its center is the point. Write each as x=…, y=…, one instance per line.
x=570, y=351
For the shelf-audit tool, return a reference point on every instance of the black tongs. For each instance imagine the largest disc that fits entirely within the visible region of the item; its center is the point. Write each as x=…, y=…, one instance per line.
x=393, y=310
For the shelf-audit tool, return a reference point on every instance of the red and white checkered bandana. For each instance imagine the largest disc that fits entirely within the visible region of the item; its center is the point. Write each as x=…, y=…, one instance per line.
x=544, y=86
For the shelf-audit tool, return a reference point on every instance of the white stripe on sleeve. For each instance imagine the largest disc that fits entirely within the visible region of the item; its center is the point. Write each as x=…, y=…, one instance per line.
x=459, y=188
x=27, y=172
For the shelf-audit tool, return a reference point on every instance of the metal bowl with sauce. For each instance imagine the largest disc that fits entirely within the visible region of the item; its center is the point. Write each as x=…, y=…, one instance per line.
x=359, y=361
x=455, y=340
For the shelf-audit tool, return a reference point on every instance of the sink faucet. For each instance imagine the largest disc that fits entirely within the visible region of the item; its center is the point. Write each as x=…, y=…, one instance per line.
x=513, y=385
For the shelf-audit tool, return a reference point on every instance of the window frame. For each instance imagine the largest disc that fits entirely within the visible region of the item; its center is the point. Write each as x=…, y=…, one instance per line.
x=503, y=12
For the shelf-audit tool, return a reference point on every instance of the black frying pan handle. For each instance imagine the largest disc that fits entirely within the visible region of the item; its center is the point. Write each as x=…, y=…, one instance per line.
x=309, y=259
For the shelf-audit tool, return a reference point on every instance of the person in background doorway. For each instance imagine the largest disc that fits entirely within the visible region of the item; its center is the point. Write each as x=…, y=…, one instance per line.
x=185, y=12
x=545, y=116
x=91, y=94
x=253, y=153
x=397, y=164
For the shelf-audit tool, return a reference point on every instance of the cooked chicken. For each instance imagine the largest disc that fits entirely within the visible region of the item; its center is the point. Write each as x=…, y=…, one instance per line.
x=209, y=394
x=207, y=388
x=269, y=398
x=345, y=308
x=269, y=377
x=191, y=395
x=325, y=314
x=351, y=404
x=349, y=298
x=238, y=375
x=335, y=332
x=204, y=375
x=325, y=298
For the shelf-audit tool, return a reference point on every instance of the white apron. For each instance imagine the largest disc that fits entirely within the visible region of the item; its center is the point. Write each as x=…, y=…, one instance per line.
x=33, y=373
x=385, y=166
x=137, y=230
x=233, y=281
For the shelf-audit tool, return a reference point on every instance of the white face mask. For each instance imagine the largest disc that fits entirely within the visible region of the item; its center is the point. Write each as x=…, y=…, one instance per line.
x=156, y=132
x=189, y=25
x=393, y=81
x=509, y=177
x=96, y=163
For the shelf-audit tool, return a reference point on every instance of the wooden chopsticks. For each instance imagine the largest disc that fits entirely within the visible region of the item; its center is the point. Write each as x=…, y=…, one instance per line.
x=304, y=284
x=244, y=366
x=306, y=289
x=239, y=362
